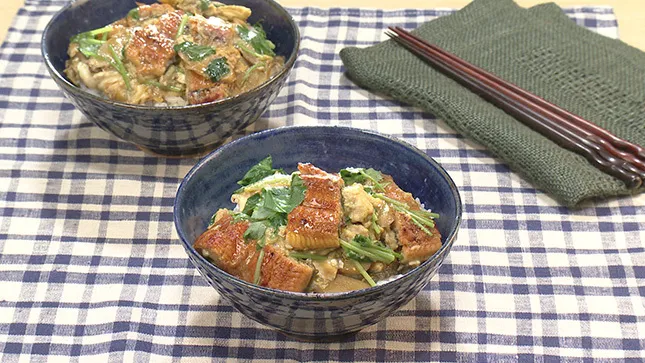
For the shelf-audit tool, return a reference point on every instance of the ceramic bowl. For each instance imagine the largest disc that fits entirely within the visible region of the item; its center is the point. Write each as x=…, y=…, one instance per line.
x=210, y=183
x=168, y=131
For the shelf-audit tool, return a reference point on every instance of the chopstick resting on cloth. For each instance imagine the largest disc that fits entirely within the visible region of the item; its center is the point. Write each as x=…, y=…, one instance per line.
x=609, y=153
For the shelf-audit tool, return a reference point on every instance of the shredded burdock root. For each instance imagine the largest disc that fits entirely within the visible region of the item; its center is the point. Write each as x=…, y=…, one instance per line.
x=314, y=231
x=174, y=53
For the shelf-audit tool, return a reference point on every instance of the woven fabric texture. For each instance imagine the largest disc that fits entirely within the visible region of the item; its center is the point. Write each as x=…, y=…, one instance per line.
x=539, y=49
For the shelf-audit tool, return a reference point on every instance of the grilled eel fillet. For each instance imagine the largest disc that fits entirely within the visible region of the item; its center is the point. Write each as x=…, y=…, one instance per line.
x=151, y=48
x=418, y=246
x=315, y=222
x=224, y=244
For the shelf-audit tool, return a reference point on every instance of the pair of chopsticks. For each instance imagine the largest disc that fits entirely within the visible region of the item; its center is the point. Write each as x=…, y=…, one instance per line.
x=609, y=153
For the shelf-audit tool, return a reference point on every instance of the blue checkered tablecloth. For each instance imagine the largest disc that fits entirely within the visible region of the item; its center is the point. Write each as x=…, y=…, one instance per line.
x=91, y=268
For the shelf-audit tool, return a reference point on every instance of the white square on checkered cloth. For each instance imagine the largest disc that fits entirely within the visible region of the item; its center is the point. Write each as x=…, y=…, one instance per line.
x=90, y=266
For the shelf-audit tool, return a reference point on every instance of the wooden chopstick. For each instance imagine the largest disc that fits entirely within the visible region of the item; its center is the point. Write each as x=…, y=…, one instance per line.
x=577, y=138
x=540, y=115
x=618, y=147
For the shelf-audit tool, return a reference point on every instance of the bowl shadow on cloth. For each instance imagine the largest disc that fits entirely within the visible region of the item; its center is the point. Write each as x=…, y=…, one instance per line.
x=105, y=153
x=422, y=330
x=83, y=142
x=202, y=324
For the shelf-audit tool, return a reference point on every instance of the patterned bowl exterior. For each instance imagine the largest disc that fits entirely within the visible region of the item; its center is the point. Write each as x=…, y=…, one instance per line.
x=168, y=131
x=210, y=183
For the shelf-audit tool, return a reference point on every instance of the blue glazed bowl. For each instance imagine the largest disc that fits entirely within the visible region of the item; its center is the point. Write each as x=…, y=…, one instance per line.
x=168, y=131
x=210, y=183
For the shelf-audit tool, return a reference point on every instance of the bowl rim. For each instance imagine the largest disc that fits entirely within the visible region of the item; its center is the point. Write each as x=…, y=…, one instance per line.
x=446, y=246
x=70, y=87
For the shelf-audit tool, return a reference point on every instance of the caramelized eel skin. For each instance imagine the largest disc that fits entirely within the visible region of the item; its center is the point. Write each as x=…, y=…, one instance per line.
x=418, y=246
x=314, y=224
x=225, y=245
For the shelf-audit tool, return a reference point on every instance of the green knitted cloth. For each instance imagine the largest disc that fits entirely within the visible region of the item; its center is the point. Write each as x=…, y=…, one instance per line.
x=539, y=49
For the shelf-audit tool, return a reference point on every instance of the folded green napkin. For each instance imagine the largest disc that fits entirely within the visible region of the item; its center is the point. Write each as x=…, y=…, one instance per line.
x=539, y=49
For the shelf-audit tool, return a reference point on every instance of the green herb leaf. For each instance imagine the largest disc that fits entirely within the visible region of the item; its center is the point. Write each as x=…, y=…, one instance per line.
x=351, y=176
x=217, y=69
x=243, y=47
x=373, y=175
x=361, y=176
x=255, y=231
x=134, y=14
x=281, y=199
x=248, y=72
x=259, y=171
x=118, y=65
x=258, y=268
x=271, y=181
x=203, y=4
x=362, y=240
x=90, y=34
x=250, y=204
x=297, y=193
x=182, y=27
x=377, y=229
x=237, y=217
x=125, y=46
x=352, y=254
x=270, y=207
x=163, y=86
x=420, y=218
x=267, y=45
x=364, y=249
x=261, y=213
x=277, y=199
x=364, y=273
x=277, y=220
x=421, y=227
x=194, y=52
x=260, y=243
x=256, y=37
x=89, y=48
x=87, y=42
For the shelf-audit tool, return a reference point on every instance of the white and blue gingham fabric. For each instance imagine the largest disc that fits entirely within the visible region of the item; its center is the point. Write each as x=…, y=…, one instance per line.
x=91, y=269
